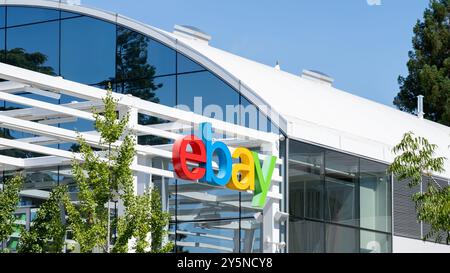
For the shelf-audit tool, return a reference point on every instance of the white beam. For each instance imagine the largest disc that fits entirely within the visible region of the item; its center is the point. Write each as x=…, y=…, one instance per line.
x=75, y=89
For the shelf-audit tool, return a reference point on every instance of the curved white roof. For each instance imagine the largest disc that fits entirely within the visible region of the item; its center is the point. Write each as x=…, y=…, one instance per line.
x=311, y=111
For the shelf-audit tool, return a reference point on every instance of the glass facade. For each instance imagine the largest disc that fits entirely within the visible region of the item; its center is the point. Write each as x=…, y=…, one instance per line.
x=337, y=202
x=101, y=54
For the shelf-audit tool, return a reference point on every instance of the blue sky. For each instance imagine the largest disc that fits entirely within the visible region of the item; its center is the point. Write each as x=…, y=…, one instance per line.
x=364, y=47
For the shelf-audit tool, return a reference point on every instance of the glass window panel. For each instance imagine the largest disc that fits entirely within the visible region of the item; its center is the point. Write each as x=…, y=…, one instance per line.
x=2, y=17
x=141, y=57
x=306, y=236
x=65, y=14
x=28, y=15
x=198, y=201
x=375, y=196
x=305, y=180
x=161, y=57
x=66, y=178
x=41, y=179
x=205, y=94
x=247, y=210
x=251, y=236
x=249, y=115
x=208, y=237
x=372, y=242
x=341, y=194
x=341, y=239
x=159, y=90
x=165, y=186
x=34, y=47
x=187, y=65
x=88, y=49
x=2, y=46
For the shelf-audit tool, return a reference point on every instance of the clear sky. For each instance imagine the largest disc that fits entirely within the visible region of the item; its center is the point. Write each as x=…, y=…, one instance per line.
x=363, y=47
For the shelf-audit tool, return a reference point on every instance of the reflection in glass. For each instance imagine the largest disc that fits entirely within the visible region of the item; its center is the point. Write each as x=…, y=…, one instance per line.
x=187, y=65
x=305, y=180
x=375, y=196
x=306, y=236
x=251, y=236
x=249, y=115
x=30, y=15
x=341, y=239
x=165, y=186
x=34, y=47
x=88, y=49
x=209, y=94
x=42, y=178
x=197, y=201
x=139, y=57
x=208, y=237
x=341, y=181
x=372, y=242
x=2, y=16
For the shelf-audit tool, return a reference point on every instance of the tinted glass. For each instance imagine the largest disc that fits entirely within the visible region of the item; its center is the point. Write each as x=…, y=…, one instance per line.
x=88, y=49
x=141, y=57
x=251, y=236
x=42, y=179
x=197, y=201
x=341, y=239
x=65, y=14
x=34, y=47
x=372, y=242
x=165, y=186
x=160, y=90
x=375, y=196
x=306, y=236
x=210, y=93
x=2, y=45
x=305, y=180
x=249, y=115
x=208, y=237
x=2, y=17
x=341, y=188
x=187, y=65
x=29, y=15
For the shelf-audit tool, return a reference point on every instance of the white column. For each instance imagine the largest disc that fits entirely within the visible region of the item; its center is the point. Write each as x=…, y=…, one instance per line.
x=271, y=227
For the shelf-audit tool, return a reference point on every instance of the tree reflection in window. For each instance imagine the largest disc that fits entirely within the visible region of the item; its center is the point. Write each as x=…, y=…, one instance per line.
x=136, y=76
x=29, y=60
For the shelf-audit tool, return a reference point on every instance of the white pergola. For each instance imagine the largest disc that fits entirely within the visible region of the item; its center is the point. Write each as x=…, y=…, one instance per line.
x=39, y=118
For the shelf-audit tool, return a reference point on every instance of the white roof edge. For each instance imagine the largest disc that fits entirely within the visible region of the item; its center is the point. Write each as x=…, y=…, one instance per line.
x=166, y=38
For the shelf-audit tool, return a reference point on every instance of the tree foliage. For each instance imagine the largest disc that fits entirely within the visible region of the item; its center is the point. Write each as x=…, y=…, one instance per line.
x=98, y=179
x=107, y=175
x=429, y=65
x=9, y=199
x=47, y=232
x=416, y=162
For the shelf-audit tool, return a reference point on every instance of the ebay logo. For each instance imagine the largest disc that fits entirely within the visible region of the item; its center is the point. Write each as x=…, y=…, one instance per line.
x=192, y=158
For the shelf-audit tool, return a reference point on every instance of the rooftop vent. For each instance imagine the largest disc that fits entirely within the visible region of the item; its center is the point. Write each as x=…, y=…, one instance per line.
x=420, y=112
x=317, y=76
x=192, y=33
x=277, y=66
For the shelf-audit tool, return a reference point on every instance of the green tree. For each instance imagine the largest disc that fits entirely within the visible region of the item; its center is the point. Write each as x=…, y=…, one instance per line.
x=102, y=180
x=47, y=233
x=98, y=179
x=9, y=199
x=416, y=162
x=429, y=65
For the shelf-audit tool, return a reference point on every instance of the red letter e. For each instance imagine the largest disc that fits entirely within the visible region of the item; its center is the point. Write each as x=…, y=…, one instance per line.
x=180, y=157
